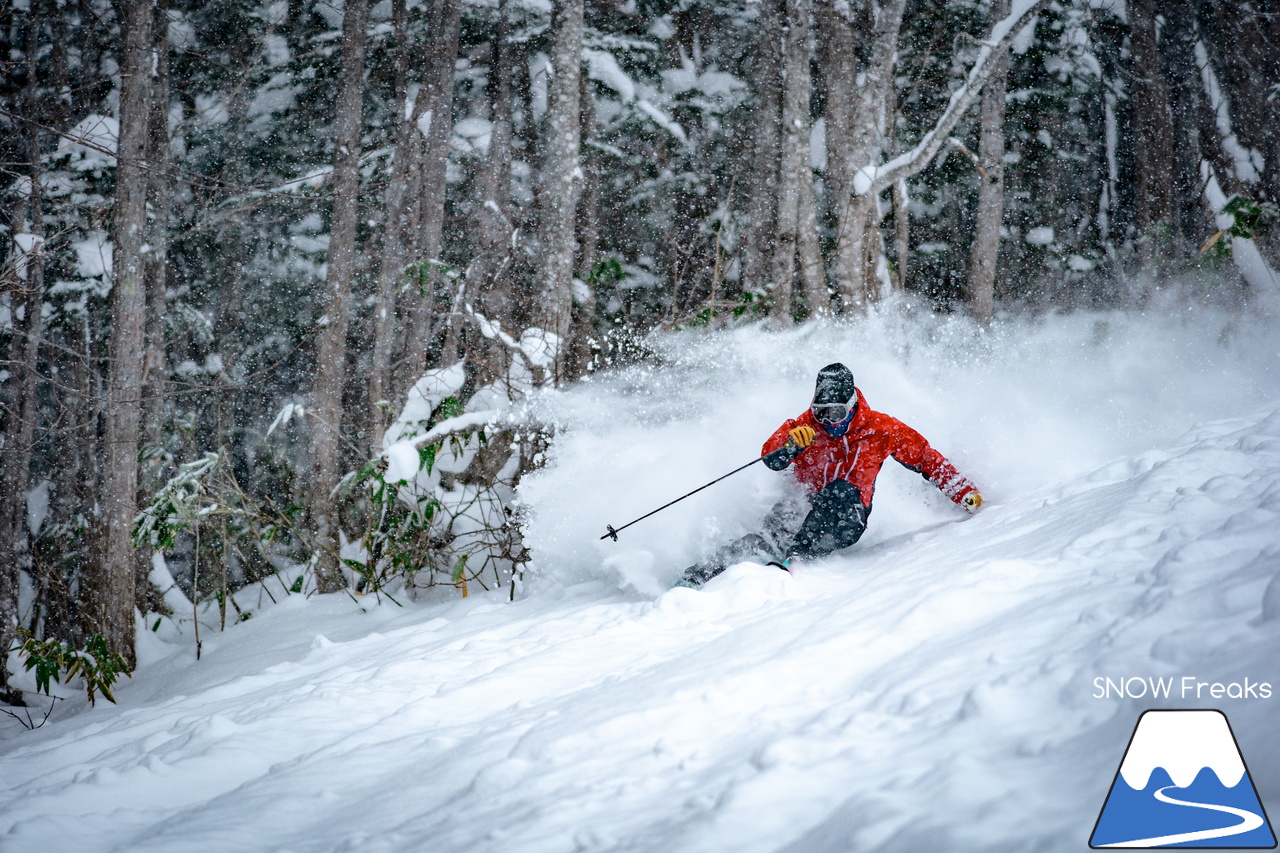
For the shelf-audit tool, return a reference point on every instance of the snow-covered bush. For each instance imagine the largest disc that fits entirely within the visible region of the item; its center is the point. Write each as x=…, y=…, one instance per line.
x=442, y=493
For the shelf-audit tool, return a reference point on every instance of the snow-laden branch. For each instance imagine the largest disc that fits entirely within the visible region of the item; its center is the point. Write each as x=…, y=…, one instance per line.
x=873, y=179
x=463, y=424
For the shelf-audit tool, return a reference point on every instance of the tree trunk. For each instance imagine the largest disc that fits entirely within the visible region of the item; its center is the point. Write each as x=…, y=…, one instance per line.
x=435, y=122
x=902, y=232
x=561, y=178
x=154, y=362
x=760, y=237
x=1152, y=123
x=836, y=23
x=1178, y=38
x=813, y=276
x=857, y=216
x=583, y=328
x=331, y=361
x=795, y=152
x=493, y=230
x=985, y=249
x=396, y=236
x=111, y=586
x=877, y=177
x=27, y=300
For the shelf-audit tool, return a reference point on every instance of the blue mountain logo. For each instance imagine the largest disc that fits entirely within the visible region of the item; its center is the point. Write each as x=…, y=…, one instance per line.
x=1183, y=783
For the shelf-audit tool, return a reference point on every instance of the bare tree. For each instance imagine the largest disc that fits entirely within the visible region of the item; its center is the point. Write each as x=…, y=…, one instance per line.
x=110, y=591
x=797, y=208
x=27, y=296
x=493, y=228
x=858, y=248
x=985, y=249
x=1152, y=122
x=434, y=119
x=587, y=217
x=400, y=231
x=331, y=361
x=561, y=178
x=160, y=191
x=760, y=235
x=859, y=141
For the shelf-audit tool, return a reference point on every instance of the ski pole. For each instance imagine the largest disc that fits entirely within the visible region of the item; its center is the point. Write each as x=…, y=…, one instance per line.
x=613, y=534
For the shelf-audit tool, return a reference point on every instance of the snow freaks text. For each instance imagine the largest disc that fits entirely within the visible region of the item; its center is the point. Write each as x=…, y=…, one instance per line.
x=1186, y=687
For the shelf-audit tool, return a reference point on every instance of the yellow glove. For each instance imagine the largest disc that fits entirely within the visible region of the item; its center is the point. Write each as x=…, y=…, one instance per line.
x=802, y=436
x=971, y=501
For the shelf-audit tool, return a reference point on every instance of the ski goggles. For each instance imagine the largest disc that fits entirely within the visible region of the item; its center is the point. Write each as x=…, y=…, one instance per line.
x=830, y=413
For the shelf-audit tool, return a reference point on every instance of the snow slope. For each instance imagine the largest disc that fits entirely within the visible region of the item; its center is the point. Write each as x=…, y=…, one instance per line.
x=930, y=689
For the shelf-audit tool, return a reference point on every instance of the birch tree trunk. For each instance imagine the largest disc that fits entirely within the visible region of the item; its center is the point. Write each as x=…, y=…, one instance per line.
x=760, y=237
x=836, y=22
x=857, y=215
x=435, y=123
x=795, y=152
x=397, y=235
x=331, y=361
x=561, y=178
x=985, y=249
x=813, y=276
x=493, y=229
x=111, y=588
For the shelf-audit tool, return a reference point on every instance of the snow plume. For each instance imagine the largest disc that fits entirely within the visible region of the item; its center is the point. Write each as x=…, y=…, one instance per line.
x=1032, y=405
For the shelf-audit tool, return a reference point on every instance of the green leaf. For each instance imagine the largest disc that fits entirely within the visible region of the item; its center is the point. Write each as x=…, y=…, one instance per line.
x=450, y=407
x=297, y=585
x=459, y=567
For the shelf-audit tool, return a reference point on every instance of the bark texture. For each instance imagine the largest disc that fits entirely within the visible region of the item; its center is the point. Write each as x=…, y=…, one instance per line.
x=985, y=249
x=21, y=410
x=860, y=142
x=434, y=122
x=760, y=237
x=795, y=153
x=561, y=177
x=1152, y=122
x=110, y=591
x=331, y=360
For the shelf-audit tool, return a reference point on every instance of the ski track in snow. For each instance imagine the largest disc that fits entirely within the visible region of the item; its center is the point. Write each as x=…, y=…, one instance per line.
x=930, y=690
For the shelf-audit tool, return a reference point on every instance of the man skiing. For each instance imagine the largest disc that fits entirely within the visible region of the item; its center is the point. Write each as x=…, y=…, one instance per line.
x=837, y=447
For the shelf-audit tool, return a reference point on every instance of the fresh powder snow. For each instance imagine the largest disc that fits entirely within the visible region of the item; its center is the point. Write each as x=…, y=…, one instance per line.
x=931, y=688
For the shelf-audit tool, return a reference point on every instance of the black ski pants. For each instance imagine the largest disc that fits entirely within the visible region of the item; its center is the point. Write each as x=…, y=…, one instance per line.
x=832, y=519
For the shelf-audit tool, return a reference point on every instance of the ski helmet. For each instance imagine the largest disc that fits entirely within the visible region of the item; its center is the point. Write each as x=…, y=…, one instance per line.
x=835, y=396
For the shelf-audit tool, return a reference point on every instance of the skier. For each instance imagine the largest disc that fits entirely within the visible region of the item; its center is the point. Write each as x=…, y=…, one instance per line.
x=837, y=447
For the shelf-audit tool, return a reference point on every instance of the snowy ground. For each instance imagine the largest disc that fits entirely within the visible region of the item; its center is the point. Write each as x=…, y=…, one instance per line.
x=930, y=689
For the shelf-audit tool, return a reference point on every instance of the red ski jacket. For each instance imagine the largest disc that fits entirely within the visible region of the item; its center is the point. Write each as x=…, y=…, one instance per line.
x=858, y=455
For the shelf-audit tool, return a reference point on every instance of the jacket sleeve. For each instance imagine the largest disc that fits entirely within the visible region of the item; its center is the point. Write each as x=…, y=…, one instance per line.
x=910, y=448
x=776, y=457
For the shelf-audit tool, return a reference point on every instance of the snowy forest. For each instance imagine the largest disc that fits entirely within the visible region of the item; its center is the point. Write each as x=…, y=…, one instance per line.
x=311, y=308
x=242, y=240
